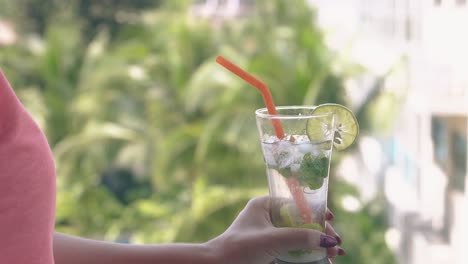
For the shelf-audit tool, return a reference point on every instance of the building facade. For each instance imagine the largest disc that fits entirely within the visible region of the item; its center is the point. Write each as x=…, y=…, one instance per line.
x=424, y=178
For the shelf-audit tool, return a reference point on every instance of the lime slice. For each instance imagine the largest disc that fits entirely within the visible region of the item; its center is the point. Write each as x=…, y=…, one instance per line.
x=346, y=125
x=289, y=214
x=320, y=129
x=314, y=226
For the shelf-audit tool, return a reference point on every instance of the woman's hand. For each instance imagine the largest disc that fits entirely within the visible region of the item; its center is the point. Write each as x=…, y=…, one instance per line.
x=252, y=238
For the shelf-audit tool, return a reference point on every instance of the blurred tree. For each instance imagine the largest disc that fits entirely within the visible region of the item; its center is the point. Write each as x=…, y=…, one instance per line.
x=154, y=142
x=35, y=15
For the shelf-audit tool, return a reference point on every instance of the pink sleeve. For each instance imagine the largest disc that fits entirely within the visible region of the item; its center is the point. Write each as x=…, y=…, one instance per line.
x=27, y=185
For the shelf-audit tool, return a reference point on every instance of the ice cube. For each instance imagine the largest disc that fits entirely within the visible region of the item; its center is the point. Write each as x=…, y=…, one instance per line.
x=285, y=154
x=270, y=139
x=305, y=148
x=284, y=159
x=269, y=152
x=284, y=145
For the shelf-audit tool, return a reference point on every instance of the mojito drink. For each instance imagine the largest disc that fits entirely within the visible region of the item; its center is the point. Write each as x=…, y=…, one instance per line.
x=297, y=142
x=302, y=157
x=309, y=163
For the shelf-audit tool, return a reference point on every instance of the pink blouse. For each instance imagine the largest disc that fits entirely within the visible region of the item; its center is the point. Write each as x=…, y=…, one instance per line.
x=27, y=185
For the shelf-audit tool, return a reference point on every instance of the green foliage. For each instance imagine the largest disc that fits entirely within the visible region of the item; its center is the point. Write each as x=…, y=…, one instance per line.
x=154, y=142
x=363, y=232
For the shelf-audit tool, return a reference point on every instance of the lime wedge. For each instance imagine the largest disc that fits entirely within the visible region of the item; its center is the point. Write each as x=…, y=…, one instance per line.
x=346, y=125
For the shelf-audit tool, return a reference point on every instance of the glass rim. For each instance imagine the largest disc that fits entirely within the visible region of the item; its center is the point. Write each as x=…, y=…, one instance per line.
x=263, y=112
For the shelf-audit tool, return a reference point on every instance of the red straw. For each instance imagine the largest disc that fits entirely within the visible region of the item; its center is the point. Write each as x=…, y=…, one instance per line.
x=293, y=183
x=260, y=86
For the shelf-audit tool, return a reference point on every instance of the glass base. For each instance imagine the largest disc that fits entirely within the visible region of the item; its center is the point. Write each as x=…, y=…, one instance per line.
x=322, y=261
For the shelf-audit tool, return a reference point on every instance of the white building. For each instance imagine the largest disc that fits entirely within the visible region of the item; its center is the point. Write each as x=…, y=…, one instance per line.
x=425, y=180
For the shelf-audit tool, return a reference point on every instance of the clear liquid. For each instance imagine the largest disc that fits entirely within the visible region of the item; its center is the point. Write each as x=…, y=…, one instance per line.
x=283, y=160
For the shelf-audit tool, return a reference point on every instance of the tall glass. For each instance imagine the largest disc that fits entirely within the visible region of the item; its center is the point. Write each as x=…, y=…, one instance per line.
x=297, y=169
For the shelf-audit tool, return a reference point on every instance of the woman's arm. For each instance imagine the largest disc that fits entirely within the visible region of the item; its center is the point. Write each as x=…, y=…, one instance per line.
x=251, y=239
x=75, y=250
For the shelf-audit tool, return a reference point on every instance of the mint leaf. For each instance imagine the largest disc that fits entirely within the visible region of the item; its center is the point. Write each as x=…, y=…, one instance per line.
x=285, y=172
x=313, y=170
x=313, y=183
x=314, y=166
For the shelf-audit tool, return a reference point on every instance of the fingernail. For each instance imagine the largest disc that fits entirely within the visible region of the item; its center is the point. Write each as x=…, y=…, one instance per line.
x=341, y=252
x=330, y=216
x=327, y=241
x=338, y=239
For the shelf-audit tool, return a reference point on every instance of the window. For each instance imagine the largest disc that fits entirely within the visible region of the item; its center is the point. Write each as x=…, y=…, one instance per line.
x=440, y=139
x=459, y=161
x=449, y=135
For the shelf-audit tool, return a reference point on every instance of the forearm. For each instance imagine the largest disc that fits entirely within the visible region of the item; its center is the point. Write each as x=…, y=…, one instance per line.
x=75, y=250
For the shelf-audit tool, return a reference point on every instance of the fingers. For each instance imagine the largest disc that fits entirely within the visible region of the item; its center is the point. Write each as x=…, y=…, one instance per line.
x=262, y=202
x=334, y=251
x=284, y=239
x=329, y=230
x=256, y=214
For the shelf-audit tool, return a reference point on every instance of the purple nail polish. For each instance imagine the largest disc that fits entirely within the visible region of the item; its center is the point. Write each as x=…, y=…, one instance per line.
x=327, y=241
x=338, y=239
x=341, y=252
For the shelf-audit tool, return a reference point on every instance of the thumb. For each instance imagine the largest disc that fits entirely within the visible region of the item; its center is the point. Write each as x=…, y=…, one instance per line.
x=286, y=238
